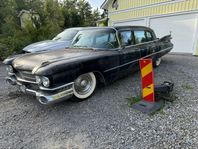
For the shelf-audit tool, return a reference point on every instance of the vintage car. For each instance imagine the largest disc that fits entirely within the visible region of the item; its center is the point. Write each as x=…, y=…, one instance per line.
x=61, y=41
x=96, y=55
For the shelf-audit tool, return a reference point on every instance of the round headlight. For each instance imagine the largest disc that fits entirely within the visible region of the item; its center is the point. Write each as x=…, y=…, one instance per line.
x=38, y=80
x=45, y=81
x=10, y=69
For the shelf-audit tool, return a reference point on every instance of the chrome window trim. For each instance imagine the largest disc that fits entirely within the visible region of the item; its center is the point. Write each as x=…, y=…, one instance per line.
x=147, y=42
x=141, y=43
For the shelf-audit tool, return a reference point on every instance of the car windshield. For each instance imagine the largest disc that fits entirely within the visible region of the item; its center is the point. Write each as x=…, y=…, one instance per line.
x=96, y=38
x=67, y=34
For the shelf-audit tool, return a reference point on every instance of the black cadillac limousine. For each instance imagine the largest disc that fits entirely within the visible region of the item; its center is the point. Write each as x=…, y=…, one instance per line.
x=97, y=54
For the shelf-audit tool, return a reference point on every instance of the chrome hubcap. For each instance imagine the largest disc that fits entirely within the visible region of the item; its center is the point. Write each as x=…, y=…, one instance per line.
x=83, y=84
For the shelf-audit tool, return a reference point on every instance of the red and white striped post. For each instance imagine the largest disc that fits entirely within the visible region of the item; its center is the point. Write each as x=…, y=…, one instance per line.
x=146, y=67
x=148, y=104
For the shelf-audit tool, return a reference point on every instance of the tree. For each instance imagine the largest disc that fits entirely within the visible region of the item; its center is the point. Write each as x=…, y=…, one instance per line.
x=54, y=16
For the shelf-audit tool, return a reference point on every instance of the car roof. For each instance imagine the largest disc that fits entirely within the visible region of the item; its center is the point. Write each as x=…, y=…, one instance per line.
x=113, y=27
x=75, y=28
x=131, y=27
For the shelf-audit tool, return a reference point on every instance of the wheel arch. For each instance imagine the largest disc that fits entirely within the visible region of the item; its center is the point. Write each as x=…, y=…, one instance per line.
x=100, y=77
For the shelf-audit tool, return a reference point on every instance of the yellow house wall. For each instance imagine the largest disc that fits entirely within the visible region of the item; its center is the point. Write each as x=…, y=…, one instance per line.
x=125, y=4
x=133, y=9
x=173, y=7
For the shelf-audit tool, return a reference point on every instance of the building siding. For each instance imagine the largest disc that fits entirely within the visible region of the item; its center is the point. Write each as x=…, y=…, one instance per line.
x=125, y=4
x=138, y=12
x=136, y=9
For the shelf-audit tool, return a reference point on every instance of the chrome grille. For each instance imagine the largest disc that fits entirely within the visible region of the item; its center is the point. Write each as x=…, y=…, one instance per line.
x=26, y=75
x=33, y=86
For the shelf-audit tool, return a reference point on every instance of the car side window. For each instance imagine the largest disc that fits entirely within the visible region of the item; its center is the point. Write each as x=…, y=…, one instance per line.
x=102, y=39
x=149, y=36
x=126, y=38
x=140, y=37
x=106, y=40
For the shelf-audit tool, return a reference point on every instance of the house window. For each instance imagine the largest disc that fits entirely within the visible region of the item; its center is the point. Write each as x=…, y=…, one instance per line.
x=115, y=4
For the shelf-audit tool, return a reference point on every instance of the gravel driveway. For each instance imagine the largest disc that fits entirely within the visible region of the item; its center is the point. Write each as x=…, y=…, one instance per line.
x=105, y=120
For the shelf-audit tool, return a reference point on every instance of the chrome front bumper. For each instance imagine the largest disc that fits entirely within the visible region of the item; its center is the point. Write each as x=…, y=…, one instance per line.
x=45, y=97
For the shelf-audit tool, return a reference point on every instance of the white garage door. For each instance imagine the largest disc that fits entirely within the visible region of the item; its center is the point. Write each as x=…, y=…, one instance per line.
x=182, y=27
x=141, y=22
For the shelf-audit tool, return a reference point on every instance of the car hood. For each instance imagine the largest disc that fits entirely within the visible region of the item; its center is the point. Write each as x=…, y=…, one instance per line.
x=46, y=45
x=31, y=60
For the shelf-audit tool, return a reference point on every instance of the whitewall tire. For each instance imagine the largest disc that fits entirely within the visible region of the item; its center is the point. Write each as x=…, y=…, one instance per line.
x=84, y=86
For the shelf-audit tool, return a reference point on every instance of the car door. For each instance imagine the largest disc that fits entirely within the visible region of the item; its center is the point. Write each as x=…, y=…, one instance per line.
x=145, y=42
x=129, y=54
x=152, y=42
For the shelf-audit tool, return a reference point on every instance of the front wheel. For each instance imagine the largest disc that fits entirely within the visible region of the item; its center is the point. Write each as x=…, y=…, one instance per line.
x=157, y=62
x=84, y=86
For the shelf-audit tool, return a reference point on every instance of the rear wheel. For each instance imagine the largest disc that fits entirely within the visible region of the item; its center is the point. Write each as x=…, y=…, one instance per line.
x=84, y=86
x=157, y=62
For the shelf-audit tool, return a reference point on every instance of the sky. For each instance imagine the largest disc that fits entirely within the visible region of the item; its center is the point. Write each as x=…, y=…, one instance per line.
x=96, y=3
